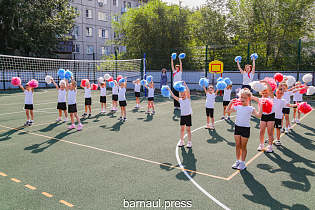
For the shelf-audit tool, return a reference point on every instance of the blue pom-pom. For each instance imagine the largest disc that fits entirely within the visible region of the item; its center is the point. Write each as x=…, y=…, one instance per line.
x=254, y=55
x=61, y=73
x=238, y=58
x=143, y=82
x=228, y=81
x=220, y=79
x=149, y=79
x=122, y=80
x=165, y=92
x=221, y=85
x=182, y=55
x=203, y=82
x=111, y=84
x=68, y=74
x=179, y=86
x=174, y=56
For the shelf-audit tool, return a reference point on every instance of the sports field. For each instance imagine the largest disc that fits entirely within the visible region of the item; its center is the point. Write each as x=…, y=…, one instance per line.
x=112, y=164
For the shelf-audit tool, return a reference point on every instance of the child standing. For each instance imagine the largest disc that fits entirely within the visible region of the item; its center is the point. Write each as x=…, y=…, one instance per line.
x=137, y=92
x=186, y=112
x=28, y=91
x=150, y=97
x=103, y=95
x=62, y=99
x=72, y=106
x=297, y=98
x=210, y=105
x=226, y=100
x=115, y=96
x=88, y=98
x=122, y=99
x=242, y=126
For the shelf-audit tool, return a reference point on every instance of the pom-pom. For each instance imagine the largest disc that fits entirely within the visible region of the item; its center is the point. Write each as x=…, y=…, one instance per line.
x=307, y=78
x=267, y=107
x=204, y=82
x=107, y=77
x=310, y=90
x=303, y=90
x=33, y=83
x=257, y=86
x=278, y=77
x=221, y=85
x=15, y=81
x=119, y=77
x=111, y=84
x=48, y=79
x=165, y=92
x=220, y=79
x=304, y=107
x=122, y=80
x=68, y=74
x=179, y=86
x=228, y=81
x=83, y=81
x=182, y=55
x=149, y=79
x=61, y=73
x=110, y=79
x=62, y=82
x=143, y=82
x=291, y=80
x=237, y=102
x=238, y=58
x=94, y=86
x=100, y=79
x=271, y=82
x=151, y=105
x=254, y=55
x=174, y=56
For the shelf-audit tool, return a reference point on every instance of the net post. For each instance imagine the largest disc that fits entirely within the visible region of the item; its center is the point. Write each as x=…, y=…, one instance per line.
x=74, y=67
x=171, y=71
x=206, y=71
x=141, y=69
x=298, y=62
x=94, y=66
x=2, y=66
x=145, y=74
x=116, y=60
x=248, y=49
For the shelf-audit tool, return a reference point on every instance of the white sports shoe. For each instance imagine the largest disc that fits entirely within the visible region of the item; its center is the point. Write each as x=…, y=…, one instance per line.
x=293, y=121
x=286, y=130
x=282, y=131
x=181, y=143
x=289, y=127
x=136, y=106
x=278, y=142
x=59, y=119
x=104, y=110
x=241, y=166
x=297, y=121
x=269, y=149
x=267, y=141
x=261, y=147
x=189, y=144
x=236, y=164
x=66, y=120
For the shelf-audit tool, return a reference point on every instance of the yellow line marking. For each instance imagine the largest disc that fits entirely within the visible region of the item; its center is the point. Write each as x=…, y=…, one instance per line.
x=15, y=180
x=2, y=131
x=30, y=186
x=66, y=203
x=261, y=152
x=47, y=194
x=3, y=174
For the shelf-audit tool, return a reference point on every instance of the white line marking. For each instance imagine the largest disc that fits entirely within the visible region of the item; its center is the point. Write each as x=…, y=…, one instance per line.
x=19, y=94
x=191, y=179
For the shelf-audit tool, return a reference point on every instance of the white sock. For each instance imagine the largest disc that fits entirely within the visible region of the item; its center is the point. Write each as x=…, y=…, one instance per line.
x=238, y=160
x=31, y=120
x=80, y=123
x=28, y=120
x=242, y=161
x=73, y=124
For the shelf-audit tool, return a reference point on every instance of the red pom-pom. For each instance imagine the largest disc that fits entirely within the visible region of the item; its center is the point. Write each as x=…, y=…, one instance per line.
x=83, y=81
x=267, y=107
x=304, y=107
x=15, y=81
x=119, y=77
x=271, y=82
x=95, y=86
x=110, y=79
x=236, y=103
x=33, y=83
x=278, y=77
x=303, y=90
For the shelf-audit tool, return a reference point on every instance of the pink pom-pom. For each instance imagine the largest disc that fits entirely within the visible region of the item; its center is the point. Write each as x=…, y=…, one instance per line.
x=151, y=105
x=271, y=82
x=236, y=103
x=267, y=107
x=110, y=79
x=119, y=77
x=83, y=81
x=278, y=77
x=33, y=83
x=15, y=81
x=303, y=90
x=304, y=107
x=95, y=86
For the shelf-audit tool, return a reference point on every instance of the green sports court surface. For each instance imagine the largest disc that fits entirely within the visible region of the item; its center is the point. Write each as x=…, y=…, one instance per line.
x=112, y=164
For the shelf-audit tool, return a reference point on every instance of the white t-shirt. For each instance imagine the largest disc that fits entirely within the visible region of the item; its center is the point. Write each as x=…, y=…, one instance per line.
x=273, y=108
x=210, y=100
x=185, y=107
x=287, y=96
x=103, y=91
x=246, y=79
x=115, y=90
x=278, y=105
x=151, y=92
x=28, y=97
x=87, y=93
x=137, y=87
x=227, y=94
x=297, y=96
x=62, y=96
x=121, y=94
x=72, y=97
x=177, y=76
x=243, y=115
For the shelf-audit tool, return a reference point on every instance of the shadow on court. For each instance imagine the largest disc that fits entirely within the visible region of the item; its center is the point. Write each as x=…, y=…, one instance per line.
x=149, y=118
x=51, y=126
x=216, y=138
x=176, y=115
x=312, y=130
x=256, y=120
x=4, y=136
x=116, y=126
x=232, y=125
x=302, y=140
x=111, y=114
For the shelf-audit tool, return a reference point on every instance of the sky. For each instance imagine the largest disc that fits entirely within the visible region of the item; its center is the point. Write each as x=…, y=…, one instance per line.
x=189, y=3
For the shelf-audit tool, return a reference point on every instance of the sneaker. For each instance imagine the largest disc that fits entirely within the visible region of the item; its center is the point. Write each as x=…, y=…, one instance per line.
x=138, y=106
x=31, y=123
x=105, y=111
x=208, y=126
x=293, y=121
x=120, y=118
x=222, y=118
x=102, y=112
x=66, y=120
x=286, y=130
x=289, y=127
x=27, y=123
x=90, y=115
x=59, y=119
x=261, y=147
x=229, y=118
x=84, y=115
x=181, y=143
x=278, y=142
x=267, y=141
x=147, y=112
x=72, y=127
x=282, y=131
x=212, y=126
x=189, y=144
x=297, y=121
x=242, y=165
x=116, y=109
x=236, y=164
x=112, y=109
x=125, y=119
x=80, y=127
x=153, y=112
x=269, y=149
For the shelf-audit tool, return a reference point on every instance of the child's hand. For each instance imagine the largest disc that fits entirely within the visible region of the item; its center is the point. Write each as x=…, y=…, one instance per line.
x=234, y=100
x=52, y=79
x=167, y=88
x=263, y=81
x=184, y=83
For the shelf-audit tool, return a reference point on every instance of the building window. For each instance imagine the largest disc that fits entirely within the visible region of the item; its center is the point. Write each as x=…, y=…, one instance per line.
x=115, y=3
x=104, y=50
x=103, y=33
x=75, y=30
x=115, y=18
x=65, y=46
x=102, y=16
x=89, y=49
x=88, y=13
x=89, y=31
x=76, y=48
x=127, y=4
x=103, y=1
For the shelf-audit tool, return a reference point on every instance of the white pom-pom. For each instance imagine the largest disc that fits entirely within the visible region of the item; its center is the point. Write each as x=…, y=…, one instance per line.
x=291, y=80
x=257, y=86
x=106, y=76
x=307, y=78
x=62, y=82
x=310, y=90
x=48, y=79
x=101, y=79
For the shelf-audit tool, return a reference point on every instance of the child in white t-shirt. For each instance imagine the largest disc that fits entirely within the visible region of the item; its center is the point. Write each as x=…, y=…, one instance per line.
x=122, y=99
x=72, y=104
x=62, y=99
x=88, y=98
x=103, y=95
x=28, y=91
x=137, y=92
x=150, y=97
x=226, y=100
x=210, y=105
x=297, y=98
x=115, y=96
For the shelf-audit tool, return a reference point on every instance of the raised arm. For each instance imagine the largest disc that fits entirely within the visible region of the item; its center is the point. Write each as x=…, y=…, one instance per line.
x=67, y=85
x=283, y=81
x=205, y=89
x=216, y=92
x=269, y=88
x=134, y=82
x=228, y=108
x=259, y=113
x=300, y=89
x=254, y=98
x=239, y=67
x=55, y=84
x=187, y=90
x=98, y=83
x=172, y=94
x=125, y=83
x=172, y=64
x=291, y=105
x=180, y=65
x=253, y=69
x=22, y=87
x=73, y=85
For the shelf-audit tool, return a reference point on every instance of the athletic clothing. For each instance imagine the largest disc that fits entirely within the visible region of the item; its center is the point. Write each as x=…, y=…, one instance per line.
x=121, y=94
x=297, y=96
x=103, y=91
x=287, y=96
x=226, y=103
x=151, y=92
x=272, y=110
x=243, y=115
x=29, y=106
x=176, y=93
x=115, y=90
x=268, y=117
x=115, y=97
x=28, y=97
x=87, y=93
x=210, y=100
x=72, y=97
x=242, y=131
x=72, y=108
x=62, y=96
x=62, y=105
x=122, y=103
x=103, y=99
x=88, y=101
x=278, y=123
x=177, y=76
x=286, y=110
x=278, y=104
x=296, y=102
x=247, y=78
x=185, y=120
x=227, y=94
x=185, y=107
x=150, y=98
x=247, y=86
x=209, y=112
x=137, y=87
x=137, y=94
